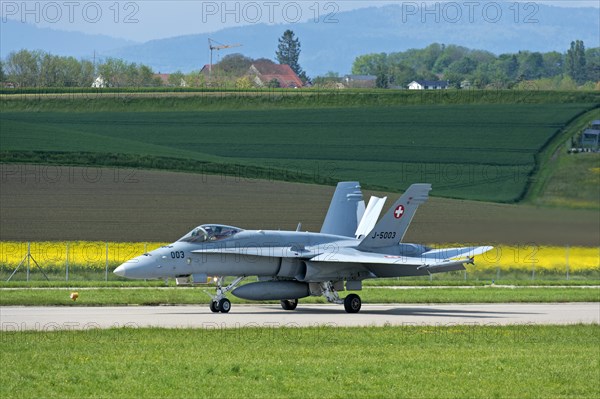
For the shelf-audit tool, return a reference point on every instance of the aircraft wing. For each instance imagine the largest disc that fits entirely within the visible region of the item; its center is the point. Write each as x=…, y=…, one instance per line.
x=349, y=255
x=428, y=259
x=452, y=253
x=335, y=254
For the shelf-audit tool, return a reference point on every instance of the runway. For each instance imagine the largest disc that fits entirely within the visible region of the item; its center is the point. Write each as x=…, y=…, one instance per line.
x=82, y=318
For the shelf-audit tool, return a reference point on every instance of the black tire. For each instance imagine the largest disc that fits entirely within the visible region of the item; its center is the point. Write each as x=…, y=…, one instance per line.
x=289, y=304
x=224, y=305
x=352, y=303
x=214, y=306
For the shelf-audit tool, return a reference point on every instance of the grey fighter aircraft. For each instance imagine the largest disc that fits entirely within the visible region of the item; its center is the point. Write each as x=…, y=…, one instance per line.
x=352, y=246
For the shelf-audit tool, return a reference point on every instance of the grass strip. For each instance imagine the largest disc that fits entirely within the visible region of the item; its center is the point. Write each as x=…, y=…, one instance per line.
x=176, y=296
x=81, y=100
x=417, y=362
x=524, y=281
x=547, y=166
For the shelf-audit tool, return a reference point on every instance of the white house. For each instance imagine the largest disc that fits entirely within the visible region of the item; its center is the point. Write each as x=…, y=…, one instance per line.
x=99, y=82
x=428, y=85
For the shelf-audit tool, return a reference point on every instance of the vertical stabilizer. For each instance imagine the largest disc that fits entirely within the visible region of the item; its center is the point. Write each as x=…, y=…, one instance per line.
x=393, y=225
x=342, y=216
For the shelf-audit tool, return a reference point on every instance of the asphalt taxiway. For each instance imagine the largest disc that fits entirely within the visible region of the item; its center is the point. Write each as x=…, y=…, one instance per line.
x=81, y=317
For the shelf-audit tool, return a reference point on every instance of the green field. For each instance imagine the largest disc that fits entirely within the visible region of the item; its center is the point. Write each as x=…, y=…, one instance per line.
x=193, y=99
x=417, y=362
x=483, y=152
x=563, y=179
x=175, y=296
x=574, y=182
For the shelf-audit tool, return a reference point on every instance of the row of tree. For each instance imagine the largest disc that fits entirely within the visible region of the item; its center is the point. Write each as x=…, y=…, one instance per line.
x=479, y=68
x=40, y=69
x=458, y=65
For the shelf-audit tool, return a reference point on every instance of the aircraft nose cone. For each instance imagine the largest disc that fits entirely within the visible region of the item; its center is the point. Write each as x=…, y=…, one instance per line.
x=120, y=271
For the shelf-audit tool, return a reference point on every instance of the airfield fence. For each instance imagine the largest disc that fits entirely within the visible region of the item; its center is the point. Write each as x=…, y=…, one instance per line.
x=68, y=261
x=96, y=261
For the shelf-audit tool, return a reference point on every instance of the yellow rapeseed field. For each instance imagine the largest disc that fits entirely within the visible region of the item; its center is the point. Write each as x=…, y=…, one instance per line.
x=542, y=258
x=53, y=255
x=93, y=255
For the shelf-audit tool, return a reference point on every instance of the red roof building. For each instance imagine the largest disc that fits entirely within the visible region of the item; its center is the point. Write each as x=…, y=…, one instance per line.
x=265, y=72
x=164, y=78
x=206, y=69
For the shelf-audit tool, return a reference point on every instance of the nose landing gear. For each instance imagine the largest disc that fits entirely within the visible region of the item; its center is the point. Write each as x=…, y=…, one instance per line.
x=219, y=303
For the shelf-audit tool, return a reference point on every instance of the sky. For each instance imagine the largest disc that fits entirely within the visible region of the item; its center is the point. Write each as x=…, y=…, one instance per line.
x=146, y=20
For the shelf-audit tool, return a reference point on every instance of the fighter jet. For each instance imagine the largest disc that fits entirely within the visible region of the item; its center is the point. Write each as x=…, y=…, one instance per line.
x=352, y=246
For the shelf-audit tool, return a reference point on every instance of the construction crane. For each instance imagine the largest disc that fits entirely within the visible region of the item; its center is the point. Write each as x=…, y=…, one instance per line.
x=215, y=45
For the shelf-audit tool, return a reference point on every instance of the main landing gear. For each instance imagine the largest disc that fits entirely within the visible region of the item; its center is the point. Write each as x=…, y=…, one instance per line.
x=289, y=304
x=352, y=302
x=218, y=301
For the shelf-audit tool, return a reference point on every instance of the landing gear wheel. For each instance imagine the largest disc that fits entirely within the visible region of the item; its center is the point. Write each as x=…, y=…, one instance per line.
x=289, y=304
x=214, y=306
x=352, y=303
x=224, y=305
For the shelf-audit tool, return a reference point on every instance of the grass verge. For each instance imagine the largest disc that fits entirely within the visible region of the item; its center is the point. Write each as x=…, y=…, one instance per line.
x=82, y=100
x=523, y=281
x=563, y=179
x=176, y=296
x=416, y=362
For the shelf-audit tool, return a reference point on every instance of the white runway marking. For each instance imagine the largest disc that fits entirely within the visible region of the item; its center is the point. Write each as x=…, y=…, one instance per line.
x=63, y=318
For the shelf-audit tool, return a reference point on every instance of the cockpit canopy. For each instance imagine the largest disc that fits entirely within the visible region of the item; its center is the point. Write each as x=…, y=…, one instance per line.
x=210, y=232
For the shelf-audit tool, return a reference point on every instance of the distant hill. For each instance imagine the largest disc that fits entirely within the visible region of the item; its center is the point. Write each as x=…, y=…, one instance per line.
x=334, y=46
x=16, y=36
